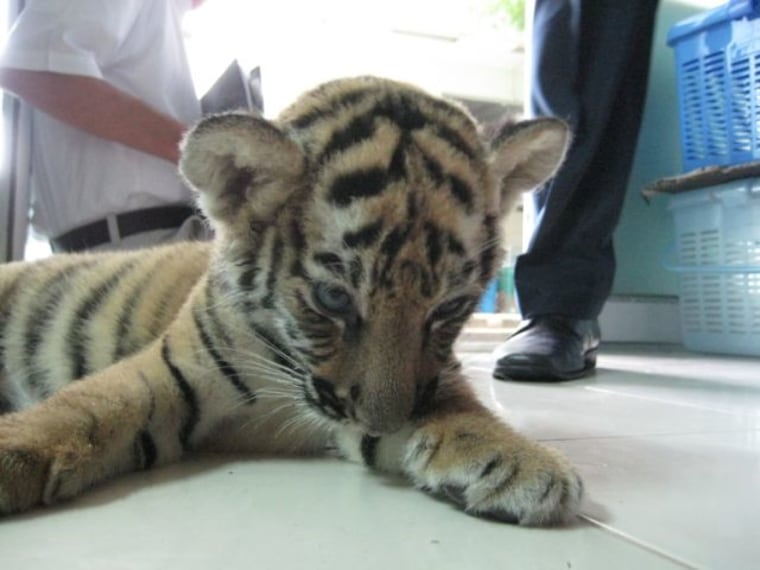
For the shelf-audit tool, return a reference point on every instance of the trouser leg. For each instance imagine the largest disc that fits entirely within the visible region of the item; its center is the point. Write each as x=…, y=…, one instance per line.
x=590, y=67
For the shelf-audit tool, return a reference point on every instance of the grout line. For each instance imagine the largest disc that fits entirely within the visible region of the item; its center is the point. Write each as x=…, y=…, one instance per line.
x=638, y=542
x=646, y=435
x=664, y=401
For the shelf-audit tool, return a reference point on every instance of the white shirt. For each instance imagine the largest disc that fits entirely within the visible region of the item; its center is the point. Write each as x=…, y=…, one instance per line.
x=136, y=46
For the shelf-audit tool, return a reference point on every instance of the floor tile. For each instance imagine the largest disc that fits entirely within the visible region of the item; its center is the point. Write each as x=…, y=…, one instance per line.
x=289, y=514
x=695, y=497
x=668, y=443
x=727, y=384
x=617, y=402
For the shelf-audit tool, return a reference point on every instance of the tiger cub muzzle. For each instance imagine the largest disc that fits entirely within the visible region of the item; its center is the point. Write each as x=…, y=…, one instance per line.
x=375, y=420
x=383, y=375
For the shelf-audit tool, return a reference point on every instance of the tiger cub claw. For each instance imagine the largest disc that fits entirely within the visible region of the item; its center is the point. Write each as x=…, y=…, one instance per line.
x=510, y=480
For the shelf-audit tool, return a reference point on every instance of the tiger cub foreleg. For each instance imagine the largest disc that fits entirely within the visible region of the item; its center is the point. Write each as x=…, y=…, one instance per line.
x=127, y=417
x=461, y=451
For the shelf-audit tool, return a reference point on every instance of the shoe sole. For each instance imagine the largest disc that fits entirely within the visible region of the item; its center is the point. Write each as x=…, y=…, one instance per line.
x=534, y=373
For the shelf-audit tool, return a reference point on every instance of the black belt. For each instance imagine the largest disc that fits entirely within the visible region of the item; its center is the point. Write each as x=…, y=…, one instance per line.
x=130, y=223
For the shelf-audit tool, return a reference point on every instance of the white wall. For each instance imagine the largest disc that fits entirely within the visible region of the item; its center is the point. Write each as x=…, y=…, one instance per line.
x=445, y=47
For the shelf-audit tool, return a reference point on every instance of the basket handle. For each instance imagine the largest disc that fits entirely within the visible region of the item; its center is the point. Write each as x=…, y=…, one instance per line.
x=742, y=8
x=670, y=265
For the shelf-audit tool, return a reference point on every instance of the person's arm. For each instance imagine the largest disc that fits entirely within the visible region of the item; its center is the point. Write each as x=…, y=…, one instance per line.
x=95, y=106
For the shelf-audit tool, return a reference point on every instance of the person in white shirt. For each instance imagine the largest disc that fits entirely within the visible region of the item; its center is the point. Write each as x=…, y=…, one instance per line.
x=112, y=94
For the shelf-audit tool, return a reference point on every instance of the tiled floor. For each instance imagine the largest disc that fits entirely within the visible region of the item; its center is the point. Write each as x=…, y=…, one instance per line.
x=668, y=443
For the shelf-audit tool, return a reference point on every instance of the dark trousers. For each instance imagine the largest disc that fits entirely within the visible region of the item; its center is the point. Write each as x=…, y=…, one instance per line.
x=590, y=67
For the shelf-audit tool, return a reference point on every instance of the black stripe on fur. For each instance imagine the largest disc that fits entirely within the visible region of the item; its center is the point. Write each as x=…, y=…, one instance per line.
x=331, y=106
x=389, y=248
x=211, y=312
x=357, y=185
x=224, y=367
x=187, y=392
x=330, y=261
x=146, y=450
x=48, y=301
x=461, y=191
x=5, y=311
x=356, y=271
x=433, y=243
x=369, y=446
x=79, y=339
x=409, y=111
x=298, y=246
x=5, y=403
x=424, y=398
x=282, y=356
x=328, y=400
x=489, y=254
x=125, y=320
x=453, y=139
x=365, y=236
x=359, y=129
x=455, y=246
x=275, y=262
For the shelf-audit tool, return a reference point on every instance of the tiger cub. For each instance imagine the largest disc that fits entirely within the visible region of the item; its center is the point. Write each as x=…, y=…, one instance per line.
x=354, y=236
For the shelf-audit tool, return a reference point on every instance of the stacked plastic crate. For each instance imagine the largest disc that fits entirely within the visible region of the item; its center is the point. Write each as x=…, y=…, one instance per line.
x=718, y=227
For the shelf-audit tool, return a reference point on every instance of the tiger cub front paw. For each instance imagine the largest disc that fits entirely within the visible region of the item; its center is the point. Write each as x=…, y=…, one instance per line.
x=38, y=465
x=23, y=469
x=490, y=471
x=22, y=480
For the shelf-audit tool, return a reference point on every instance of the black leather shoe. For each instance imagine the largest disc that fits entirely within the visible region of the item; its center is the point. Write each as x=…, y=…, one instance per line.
x=549, y=348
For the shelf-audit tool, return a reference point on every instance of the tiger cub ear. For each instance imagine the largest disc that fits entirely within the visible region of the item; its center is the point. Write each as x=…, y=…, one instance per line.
x=526, y=154
x=242, y=166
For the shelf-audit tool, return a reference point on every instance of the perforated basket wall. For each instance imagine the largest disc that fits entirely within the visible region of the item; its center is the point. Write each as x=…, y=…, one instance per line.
x=718, y=73
x=718, y=251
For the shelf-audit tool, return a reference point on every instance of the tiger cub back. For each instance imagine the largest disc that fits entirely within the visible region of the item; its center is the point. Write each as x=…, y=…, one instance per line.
x=70, y=315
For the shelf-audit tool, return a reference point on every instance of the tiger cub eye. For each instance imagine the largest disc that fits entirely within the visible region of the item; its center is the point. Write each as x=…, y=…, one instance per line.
x=333, y=299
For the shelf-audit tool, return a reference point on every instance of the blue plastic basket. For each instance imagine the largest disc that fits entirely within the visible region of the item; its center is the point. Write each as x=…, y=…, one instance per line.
x=718, y=262
x=718, y=73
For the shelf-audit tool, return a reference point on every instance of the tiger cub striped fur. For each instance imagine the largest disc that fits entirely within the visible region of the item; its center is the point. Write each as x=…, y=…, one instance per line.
x=354, y=236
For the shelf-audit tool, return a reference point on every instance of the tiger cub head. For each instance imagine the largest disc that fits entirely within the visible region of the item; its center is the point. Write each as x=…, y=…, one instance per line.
x=358, y=231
